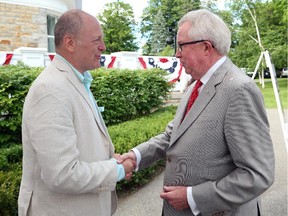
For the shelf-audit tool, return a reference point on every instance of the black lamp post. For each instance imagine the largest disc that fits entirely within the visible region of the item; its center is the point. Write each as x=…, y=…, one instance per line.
x=171, y=40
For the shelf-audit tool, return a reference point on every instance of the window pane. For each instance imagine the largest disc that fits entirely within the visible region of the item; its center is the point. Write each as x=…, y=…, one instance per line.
x=50, y=25
x=51, y=21
x=51, y=45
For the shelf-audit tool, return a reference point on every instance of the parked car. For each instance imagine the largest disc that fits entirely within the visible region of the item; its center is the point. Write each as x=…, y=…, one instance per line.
x=267, y=73
x=250, y=74
x=284, y=72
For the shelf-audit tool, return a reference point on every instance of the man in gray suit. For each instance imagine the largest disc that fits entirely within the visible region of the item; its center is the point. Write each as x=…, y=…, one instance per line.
x=219, y=154
x=68, y=157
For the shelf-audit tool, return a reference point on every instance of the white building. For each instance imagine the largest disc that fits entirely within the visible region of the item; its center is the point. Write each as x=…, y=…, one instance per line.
x=30, y=23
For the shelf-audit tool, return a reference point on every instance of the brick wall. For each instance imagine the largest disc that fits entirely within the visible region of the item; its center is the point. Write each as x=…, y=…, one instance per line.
x=23, y=26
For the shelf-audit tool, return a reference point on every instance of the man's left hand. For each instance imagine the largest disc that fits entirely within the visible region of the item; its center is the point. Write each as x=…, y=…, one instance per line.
x=176, y=196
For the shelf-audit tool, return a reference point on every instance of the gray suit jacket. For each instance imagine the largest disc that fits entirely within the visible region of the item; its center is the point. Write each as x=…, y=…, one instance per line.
x=222, y=148
x=66, y=150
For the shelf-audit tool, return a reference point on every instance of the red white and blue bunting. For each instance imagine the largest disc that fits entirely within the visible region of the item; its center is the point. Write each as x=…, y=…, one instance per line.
x=5, y=58
x=107, y=61
x=171, y=64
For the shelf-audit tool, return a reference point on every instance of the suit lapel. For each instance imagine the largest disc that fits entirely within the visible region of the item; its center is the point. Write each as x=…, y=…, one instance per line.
x=205, y=96
x=74, y=80
x=202, y=101
x=182, y=107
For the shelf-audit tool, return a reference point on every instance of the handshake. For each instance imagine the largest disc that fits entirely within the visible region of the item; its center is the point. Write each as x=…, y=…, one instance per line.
x=128, y=160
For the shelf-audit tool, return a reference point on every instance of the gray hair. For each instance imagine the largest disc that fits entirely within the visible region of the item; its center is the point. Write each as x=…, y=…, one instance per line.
x=206, y=25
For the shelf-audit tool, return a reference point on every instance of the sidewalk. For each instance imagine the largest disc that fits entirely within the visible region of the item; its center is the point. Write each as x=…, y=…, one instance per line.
x=146, y=201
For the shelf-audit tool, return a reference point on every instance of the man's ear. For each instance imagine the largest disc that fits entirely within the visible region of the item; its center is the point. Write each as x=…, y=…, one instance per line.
x=69, y=42
x=208, y=47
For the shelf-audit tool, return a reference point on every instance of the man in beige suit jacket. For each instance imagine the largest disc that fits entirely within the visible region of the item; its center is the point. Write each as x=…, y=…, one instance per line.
x=219, y=157
x=68, y=164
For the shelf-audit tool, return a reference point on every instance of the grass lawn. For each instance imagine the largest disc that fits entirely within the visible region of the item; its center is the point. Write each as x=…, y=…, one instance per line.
x=268, y=93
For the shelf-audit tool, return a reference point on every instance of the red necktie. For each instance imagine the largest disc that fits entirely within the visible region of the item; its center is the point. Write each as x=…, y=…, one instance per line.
x=193, y=96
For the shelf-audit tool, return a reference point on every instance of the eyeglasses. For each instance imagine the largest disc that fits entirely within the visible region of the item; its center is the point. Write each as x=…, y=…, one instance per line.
x=180, y=45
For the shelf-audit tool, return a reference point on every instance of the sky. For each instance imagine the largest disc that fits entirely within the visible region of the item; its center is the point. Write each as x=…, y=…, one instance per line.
x=96, y=6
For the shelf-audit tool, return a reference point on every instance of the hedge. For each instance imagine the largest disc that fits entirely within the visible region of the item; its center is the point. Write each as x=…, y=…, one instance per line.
x=125, y=95
x=127, y=135
x=9, y=190
x=14, y=84
x=124, y=136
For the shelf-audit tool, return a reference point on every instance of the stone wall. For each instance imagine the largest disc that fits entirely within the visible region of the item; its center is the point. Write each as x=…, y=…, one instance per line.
x=23, y=26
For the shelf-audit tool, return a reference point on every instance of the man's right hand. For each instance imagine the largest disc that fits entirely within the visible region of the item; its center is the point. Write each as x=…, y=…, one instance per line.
x=128, y=160
x=129, y=155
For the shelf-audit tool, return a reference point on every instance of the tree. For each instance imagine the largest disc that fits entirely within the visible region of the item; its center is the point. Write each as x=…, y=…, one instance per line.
x=274, y=30
x=158, y=34
x=271, y=21
x=118, y=26
x=167, y=51
x=172, y=12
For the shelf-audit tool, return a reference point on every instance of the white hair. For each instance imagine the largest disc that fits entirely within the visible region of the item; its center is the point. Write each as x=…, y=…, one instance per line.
x=206, y=25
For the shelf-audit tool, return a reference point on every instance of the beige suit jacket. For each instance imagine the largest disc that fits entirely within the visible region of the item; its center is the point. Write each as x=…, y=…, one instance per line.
x=66, y=150
x=222, y=148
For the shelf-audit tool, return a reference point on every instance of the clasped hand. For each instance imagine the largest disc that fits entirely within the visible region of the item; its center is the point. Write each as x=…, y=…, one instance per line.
x=128, y=160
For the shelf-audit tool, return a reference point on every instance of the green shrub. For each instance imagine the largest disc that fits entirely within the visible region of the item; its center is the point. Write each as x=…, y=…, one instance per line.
x=9, y=190
x=127, y=135
x=14, y=84
x=125, y=94
x=10, y=156
x=128, y=94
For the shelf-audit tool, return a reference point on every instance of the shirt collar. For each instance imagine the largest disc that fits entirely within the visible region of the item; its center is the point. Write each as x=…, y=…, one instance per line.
x=212, y=70
x=85, y=78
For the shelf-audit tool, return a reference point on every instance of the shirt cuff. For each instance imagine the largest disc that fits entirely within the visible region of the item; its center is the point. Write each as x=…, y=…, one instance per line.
x=138, y=157
x=191, y=202
x=120, y=170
